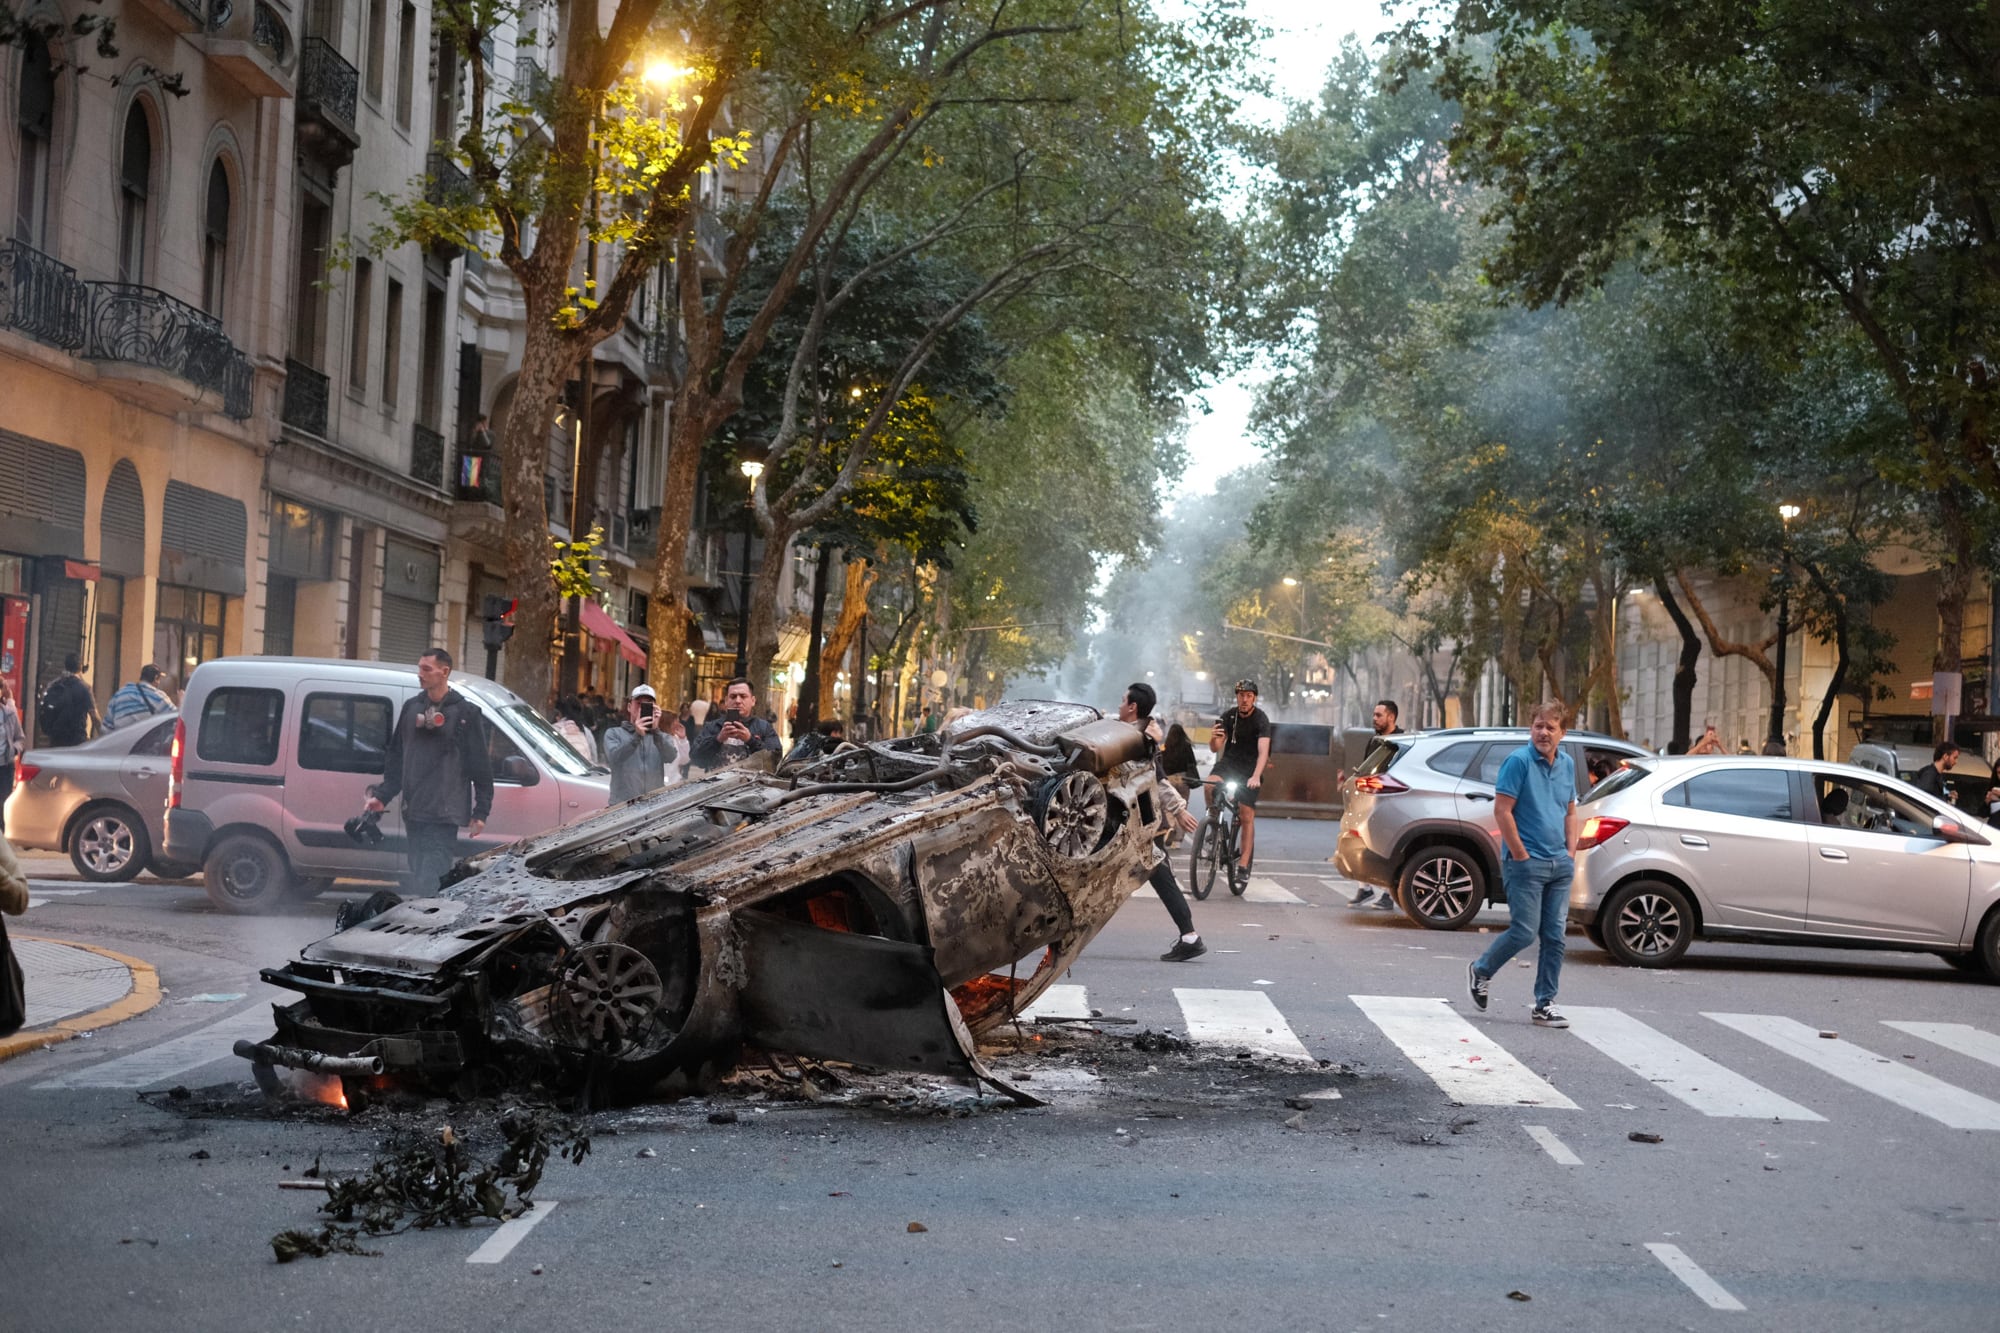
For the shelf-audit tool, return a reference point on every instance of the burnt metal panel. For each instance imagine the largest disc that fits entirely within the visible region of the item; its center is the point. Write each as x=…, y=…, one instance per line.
x=837, y=996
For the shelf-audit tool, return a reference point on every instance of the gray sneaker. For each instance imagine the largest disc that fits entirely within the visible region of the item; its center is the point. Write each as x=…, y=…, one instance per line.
x=1545, y=1016
x=1386, y=901
x=1476, y=985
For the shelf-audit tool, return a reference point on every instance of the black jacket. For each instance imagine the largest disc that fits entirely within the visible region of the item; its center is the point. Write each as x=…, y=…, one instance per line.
x=708, y=751
x=1928, y=779
x=431, y=767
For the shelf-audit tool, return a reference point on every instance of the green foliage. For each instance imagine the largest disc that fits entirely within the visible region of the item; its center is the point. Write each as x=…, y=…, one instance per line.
x=576, y=566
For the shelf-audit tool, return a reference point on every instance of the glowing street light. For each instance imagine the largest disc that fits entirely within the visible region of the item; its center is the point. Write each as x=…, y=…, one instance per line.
x=665, y=72
x=1290, y=582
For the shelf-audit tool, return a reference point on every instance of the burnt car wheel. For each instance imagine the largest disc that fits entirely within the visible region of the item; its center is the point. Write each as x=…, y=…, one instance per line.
x=1647, y=923
x=245, y=874
x=109, y=844
x=1073, y=813
x=1442, y=888
x=610, y=997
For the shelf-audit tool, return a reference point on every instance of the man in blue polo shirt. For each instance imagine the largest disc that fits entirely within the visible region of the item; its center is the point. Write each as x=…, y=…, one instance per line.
x=1535, y=806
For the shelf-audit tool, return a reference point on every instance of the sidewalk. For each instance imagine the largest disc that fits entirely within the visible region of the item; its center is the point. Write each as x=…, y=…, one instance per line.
x=71, y=988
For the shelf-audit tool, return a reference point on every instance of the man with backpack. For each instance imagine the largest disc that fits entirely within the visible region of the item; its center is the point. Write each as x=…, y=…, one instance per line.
x=67, y=710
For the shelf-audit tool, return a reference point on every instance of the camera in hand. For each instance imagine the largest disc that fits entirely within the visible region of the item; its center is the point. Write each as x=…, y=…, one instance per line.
x=365, y=830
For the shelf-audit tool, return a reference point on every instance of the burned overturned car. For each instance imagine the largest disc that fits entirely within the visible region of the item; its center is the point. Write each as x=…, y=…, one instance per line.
x=881, y=905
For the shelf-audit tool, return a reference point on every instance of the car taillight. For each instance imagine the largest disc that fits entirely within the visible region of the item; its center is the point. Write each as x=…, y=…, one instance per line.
x=1599, y=829
x=1379, y=784
x=27, y=772
x=174, y=768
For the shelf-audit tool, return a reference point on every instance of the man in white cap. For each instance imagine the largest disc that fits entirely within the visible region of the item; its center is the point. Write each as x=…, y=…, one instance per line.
x=638, y=750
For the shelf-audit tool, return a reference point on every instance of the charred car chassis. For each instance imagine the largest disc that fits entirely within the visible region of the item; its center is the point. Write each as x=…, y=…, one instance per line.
x=881, y=905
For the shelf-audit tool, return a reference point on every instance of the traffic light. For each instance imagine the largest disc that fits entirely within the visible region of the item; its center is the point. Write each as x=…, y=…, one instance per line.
x=499, y=614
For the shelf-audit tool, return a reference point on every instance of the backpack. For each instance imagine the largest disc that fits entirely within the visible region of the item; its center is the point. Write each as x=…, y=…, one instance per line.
x=57, y=709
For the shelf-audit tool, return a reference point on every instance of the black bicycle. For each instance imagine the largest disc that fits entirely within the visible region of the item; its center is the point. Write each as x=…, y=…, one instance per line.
x=1217, y=842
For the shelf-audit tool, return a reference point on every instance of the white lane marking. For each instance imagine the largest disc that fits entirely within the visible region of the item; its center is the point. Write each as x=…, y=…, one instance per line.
x=33, y=903
x=1472, y=1069
x=1676, y=1069
x=154, y=1064
x=1961, y=1037
x=1324, y=1095
x=1239, y=1018
x=1552, y=1145
x=1059, y=1001
x=1261, y=890
x=1689, y=1272
x=1909, y=1088
x=502, y=1242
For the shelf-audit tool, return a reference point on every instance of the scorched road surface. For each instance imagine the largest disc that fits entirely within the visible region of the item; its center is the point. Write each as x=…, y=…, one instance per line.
x=1827, y=1129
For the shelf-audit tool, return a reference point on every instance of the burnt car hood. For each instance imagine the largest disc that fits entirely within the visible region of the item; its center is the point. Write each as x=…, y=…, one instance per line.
x=882, y=905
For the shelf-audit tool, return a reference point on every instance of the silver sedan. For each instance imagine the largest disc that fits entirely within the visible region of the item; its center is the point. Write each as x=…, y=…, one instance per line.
x=104, y=801
x=1782, y=851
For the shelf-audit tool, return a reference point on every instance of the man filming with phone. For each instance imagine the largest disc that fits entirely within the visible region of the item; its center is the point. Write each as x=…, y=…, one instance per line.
x=644, y=749
x=735, y=733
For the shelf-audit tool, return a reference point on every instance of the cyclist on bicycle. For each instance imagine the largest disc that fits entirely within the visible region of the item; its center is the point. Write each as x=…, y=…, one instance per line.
x=1137, y=708
x=1241, y=740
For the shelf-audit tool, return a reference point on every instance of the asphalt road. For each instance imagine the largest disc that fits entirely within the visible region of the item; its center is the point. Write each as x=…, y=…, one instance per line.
x=1817, y=1182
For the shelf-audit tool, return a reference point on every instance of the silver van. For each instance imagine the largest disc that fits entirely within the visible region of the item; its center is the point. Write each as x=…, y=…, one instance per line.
x=273, y=755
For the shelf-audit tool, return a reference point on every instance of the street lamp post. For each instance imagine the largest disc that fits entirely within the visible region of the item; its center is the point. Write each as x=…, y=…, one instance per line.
x=1774, y=740
x=752, y=469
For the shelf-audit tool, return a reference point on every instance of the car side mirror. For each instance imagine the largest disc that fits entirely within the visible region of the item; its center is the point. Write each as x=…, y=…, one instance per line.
x=516, y=768
x=1951, y=830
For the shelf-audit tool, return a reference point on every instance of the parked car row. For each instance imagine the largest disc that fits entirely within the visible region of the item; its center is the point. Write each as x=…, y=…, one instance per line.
x=1674, y=849
x=253, y=780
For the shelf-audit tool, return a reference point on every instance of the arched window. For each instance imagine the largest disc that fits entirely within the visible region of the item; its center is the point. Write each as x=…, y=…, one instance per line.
x=215, y=240
x=36, y=117
x=135, y=188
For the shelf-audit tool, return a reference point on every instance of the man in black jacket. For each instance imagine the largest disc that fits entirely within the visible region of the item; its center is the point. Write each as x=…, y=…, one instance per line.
x=437, y=762
x=736, y=732
x=1930, y=778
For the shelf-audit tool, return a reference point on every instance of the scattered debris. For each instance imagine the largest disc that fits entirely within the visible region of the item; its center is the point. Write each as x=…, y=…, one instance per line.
x=1463, y=1123
x=198, y=1155
x=1298, y=1104
x=319, y=1185
x=435, y=1181
x=722, y=1117
x=1641, y=1136
x=1297, y=1122
x=1154, y=1042
x=1519, y=1296
x=916, y=1227
x=1830, y=1036
x=646, y=1152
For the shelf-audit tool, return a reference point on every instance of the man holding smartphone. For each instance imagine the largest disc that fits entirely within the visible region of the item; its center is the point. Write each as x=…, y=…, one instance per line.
x=639, y=751
x=1241, y=740
x=736, y=732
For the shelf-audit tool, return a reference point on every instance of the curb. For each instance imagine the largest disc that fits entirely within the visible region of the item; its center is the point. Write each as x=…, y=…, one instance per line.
x=144, y=995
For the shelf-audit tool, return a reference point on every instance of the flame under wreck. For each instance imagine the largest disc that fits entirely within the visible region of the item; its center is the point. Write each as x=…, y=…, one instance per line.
x=881, y=905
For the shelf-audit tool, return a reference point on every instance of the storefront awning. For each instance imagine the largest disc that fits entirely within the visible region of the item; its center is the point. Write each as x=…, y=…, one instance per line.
x=598, y=622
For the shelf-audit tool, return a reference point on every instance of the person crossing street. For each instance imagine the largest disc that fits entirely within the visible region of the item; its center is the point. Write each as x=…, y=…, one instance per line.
x=1535, y=806
x=1387, y=723
x=1137, y=708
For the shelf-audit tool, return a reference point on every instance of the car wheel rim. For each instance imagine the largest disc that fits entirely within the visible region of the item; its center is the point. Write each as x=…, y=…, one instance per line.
x=105, y=845
x=1649, y=924
x=245, y=877
x=1441, y=888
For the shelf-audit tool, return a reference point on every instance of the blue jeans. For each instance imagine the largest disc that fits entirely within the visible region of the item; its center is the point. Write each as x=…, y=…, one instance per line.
x=1537, y=905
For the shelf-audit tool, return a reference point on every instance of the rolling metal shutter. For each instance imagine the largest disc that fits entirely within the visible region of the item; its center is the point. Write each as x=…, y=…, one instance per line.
x=202, y=540
x=124, y=532
x=41, y=497
x=409, y=600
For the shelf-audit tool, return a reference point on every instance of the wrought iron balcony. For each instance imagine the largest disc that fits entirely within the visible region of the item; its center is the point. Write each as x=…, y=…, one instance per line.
x=305, y=398
x=445, y=183
x=477, y=476
x=665, y=354
x=329, y=88
x=427, y=455
x=143, y=326
x=42, y=298
x=712, y=233
x=643, y=533
x=531, y=81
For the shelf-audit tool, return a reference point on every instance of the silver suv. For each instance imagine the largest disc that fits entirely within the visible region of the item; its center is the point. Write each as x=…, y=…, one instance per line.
x=1418, y=819
x=1782, y=851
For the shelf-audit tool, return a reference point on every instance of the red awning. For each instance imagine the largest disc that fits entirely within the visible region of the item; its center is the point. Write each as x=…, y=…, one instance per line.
x=599, y=623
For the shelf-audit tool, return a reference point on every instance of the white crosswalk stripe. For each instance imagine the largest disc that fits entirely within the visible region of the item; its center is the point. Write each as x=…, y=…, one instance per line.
x=1472, y=1069
x=156, y=1064
x=1059, y=1001
x=1909, y=1088
x=511, y=1233
x=1679, y=1070
x=1961, y=1037
x=1239, y=1019
x=1261, y=890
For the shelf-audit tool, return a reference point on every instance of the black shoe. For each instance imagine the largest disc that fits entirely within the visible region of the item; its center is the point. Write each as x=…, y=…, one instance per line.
x=1184, y=950
x=1545, y=1016
x=1476, y=985
x=1365, y=898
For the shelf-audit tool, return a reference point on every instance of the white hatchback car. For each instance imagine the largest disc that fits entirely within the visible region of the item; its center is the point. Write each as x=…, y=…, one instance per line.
x=1782, y=851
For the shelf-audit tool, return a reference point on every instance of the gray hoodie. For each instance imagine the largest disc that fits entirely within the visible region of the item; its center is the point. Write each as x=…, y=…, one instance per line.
x=638, y=763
